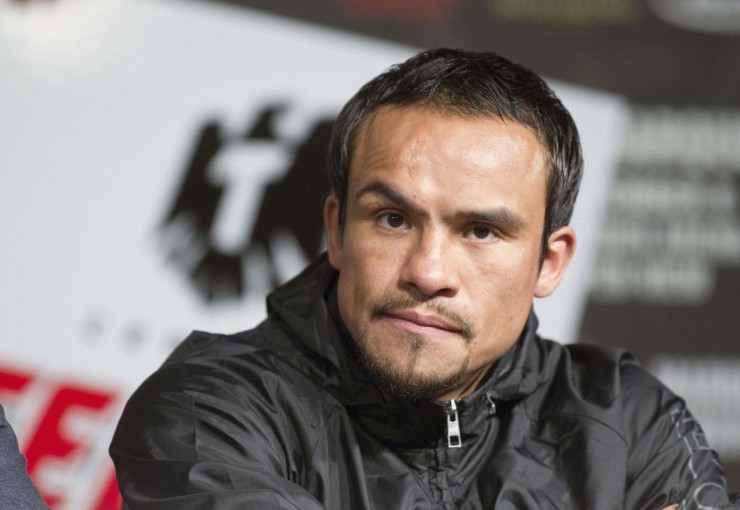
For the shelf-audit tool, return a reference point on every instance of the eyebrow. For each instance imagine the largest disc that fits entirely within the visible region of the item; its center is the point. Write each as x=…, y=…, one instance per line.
x=502, y=216
x=385, y=191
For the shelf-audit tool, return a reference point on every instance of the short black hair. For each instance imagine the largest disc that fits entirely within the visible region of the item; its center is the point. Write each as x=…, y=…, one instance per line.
x=472, y=84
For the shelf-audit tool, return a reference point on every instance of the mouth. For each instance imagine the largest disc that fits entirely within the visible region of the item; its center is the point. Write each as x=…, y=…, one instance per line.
x=417, y=322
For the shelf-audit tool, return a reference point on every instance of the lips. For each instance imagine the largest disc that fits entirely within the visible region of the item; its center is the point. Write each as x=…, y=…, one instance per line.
x=425, y=320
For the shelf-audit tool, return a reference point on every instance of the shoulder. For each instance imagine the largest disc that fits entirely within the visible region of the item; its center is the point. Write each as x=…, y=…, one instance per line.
x=594, y=374
x=225, y=390
x=256, y=364
x=215, y=381
x=227, y=418
x=634, y=420
x=614, y=377
x=607, y=384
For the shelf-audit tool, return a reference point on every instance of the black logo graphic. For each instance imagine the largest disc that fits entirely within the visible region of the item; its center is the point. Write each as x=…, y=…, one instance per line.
x=285, y=217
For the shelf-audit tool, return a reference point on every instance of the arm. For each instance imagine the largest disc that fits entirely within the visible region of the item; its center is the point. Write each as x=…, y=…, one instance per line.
x=203, y=444
x=671, y=463
x=16, y=488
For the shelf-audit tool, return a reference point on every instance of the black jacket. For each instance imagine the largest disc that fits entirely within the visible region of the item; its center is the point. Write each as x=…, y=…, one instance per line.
x=283, y=416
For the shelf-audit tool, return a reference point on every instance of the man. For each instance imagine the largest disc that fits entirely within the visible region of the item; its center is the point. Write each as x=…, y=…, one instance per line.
x=402, y=370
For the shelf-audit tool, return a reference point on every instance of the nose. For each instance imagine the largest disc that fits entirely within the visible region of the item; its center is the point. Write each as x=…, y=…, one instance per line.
x=430, y=267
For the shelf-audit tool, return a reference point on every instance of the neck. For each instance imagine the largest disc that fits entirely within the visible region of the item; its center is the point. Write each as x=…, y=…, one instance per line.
x=468, y=387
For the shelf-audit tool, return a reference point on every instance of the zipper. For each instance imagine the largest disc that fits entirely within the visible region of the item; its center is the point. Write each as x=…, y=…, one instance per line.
x=454, y=439
x=491, y=404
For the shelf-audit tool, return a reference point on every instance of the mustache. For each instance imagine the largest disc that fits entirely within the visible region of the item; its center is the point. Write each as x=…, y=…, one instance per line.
x=388, y=305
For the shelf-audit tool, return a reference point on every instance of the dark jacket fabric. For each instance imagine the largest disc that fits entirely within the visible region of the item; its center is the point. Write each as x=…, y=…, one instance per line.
x=284, y=417
x=17, y=491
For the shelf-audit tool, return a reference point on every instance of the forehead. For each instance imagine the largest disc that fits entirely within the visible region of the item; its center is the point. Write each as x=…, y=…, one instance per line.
x=411, y=138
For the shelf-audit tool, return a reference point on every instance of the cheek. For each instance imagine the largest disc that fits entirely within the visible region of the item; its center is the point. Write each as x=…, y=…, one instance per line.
x=348, y=300
x=506, y=268
x=370, y=259
x=501, y=306
x=502, y=292
x=361, y=278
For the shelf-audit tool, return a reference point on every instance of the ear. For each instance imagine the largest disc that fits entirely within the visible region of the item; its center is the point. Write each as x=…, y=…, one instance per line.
x=333, y=231
x=561, y=245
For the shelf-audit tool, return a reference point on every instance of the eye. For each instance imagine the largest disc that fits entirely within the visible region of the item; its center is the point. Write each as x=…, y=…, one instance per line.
x=393, y=221
x=480, y=233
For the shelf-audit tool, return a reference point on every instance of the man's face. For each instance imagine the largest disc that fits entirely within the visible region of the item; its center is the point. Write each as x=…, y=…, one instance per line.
x=440, y=249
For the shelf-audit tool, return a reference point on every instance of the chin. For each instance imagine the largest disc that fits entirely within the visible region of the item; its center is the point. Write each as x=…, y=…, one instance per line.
x=408, y=377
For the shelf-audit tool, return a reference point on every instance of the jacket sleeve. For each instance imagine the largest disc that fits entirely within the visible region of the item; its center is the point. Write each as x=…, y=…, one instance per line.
x=16, y=488
x=670, y=461
x=203, y=444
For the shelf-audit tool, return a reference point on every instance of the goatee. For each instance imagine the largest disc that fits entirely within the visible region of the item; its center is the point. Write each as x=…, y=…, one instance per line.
x=402, y=381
